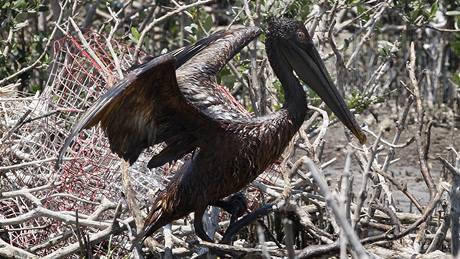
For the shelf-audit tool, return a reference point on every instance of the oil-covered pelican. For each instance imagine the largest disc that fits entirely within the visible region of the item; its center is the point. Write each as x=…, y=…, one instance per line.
x=174, y=99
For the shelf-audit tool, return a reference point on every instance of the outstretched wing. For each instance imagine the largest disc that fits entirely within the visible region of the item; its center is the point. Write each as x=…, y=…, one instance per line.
x=127, y=111
x=197, y=77
x=149, y=106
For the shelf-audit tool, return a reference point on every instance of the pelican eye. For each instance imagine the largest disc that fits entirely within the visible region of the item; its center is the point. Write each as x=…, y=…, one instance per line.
x=300, y=35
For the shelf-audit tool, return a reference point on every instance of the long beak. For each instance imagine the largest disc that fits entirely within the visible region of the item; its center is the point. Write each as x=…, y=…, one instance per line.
x=308, y=65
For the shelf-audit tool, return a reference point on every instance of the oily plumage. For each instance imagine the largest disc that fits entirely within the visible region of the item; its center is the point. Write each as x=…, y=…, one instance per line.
x=174, y=99
x=147, y=107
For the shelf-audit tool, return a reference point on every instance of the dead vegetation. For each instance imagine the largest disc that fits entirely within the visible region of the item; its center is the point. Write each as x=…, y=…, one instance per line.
x=94, y=204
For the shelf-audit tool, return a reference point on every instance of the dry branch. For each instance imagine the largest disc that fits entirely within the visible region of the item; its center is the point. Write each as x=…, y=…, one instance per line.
x=316, y=212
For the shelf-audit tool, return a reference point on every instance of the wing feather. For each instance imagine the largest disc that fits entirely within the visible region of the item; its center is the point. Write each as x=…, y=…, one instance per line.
x=127, y=111
x=197, y=77
x=151, y=106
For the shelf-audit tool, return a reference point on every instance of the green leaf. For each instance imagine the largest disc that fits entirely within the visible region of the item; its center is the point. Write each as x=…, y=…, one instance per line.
x=456, y=79
x=208, y=23
x=20, y=4
x=21, y=17
x=434, y=9
x=135, y=35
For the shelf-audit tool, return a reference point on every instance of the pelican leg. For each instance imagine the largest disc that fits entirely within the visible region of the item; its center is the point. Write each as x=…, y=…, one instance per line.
x=199, y=230
x=198, y=225
x=235, y=205
x=246, y=220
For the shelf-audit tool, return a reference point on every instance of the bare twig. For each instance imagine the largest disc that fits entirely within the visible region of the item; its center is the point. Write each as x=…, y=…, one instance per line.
x=43, y=54
x=363, y=190
x=9, y=251
x=420, y=120
x=332, y=202
x=160, y=19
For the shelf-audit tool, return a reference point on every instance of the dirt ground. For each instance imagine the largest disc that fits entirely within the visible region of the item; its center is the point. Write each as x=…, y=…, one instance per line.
x=407, y=169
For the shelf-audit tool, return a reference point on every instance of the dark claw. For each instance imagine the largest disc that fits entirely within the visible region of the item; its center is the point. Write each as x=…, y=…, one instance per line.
x=235, y=205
